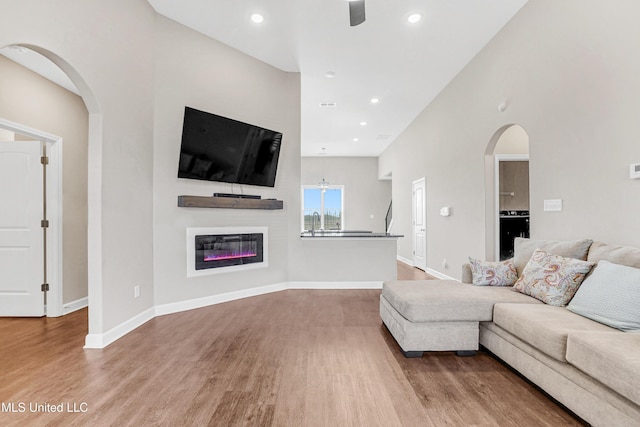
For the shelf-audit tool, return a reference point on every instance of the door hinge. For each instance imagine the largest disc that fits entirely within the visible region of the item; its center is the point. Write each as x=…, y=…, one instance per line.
x=44, y=223
x=44, y=160
x=44, y=287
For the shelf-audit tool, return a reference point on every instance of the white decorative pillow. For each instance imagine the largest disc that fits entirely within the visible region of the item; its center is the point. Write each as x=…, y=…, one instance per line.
x=501, y=273
x=552, y=279
x=610, y=295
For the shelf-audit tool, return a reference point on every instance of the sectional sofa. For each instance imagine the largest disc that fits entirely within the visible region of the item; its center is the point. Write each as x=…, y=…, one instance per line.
x=566, y=317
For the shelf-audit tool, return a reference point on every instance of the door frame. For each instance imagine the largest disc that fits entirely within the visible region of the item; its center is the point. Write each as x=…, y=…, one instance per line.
x=413, y=220
x=496, y=192
x=54, y=211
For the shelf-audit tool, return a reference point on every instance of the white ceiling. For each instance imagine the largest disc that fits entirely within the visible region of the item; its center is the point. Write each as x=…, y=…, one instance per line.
x=404, y=65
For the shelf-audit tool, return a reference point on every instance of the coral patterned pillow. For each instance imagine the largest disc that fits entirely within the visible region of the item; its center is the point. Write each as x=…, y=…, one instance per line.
x=552, y=279
x=502, y=273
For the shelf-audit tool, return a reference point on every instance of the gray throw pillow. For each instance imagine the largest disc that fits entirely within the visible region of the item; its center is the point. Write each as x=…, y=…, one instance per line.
x=610, y=295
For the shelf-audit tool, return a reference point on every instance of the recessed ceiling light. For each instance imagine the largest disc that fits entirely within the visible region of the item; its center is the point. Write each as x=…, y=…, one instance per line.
x=330, y=74
x=355, y=140
x=374, y=100
x=363, y=123
x=414, y=17
x=257, y=18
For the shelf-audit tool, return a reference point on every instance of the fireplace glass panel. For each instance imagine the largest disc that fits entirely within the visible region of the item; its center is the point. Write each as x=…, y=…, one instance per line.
x=224, y=250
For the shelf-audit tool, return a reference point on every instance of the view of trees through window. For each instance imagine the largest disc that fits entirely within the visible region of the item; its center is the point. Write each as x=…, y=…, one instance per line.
x=327, y=203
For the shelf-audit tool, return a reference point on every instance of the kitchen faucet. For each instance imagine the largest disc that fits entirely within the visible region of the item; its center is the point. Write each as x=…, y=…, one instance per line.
x=313, y=222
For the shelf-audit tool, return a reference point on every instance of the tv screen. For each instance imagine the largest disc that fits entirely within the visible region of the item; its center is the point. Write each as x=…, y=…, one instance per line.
x=216, y=148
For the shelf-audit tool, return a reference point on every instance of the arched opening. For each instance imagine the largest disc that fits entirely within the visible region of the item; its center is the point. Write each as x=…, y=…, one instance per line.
x=506, y=190
x=92, y=162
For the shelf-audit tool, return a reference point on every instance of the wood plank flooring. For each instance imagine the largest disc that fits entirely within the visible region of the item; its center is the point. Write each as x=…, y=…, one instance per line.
x=291, y=358
x=407, y=272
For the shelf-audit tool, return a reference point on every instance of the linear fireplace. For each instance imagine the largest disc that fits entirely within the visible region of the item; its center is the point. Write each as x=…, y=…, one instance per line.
x=224, y=249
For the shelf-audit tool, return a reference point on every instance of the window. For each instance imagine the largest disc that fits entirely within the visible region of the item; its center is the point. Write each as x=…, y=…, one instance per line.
x=328, y=203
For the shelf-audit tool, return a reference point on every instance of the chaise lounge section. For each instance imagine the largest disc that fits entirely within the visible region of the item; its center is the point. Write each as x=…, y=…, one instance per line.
x=589, y=366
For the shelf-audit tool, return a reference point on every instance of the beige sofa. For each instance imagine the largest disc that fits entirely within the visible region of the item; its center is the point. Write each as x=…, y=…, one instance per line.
x=591, y=368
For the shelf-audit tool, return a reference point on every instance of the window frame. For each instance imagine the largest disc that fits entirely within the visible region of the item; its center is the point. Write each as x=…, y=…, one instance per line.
x=315, y=187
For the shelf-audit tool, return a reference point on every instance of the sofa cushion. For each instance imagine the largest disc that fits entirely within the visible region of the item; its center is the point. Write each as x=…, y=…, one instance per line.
x=610, y=295
x=623, y=255
x=447, y=300
x=524, y=248
x=611, y=358
x=552, y=279
x=545, y=327
x=487, y=273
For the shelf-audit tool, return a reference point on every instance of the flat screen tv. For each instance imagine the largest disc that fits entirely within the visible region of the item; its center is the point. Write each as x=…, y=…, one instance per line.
x=216, y=148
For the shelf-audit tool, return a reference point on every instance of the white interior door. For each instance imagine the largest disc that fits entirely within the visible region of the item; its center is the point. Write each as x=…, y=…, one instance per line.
x=419, y=225
x=21, y=237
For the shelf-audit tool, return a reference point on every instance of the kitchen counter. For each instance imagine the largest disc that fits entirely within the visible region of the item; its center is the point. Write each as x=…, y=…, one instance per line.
x=347, y=234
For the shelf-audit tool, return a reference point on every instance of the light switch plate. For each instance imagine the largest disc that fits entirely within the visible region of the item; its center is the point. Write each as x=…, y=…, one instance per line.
x=553, y=205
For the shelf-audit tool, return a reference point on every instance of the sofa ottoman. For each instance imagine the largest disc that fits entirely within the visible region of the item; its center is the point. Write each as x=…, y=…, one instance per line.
x=440, y=315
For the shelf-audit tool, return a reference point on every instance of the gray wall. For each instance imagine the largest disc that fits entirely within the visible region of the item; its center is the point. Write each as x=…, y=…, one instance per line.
x=364, y=194
x=113, y=66
x=568, y=75
x=514, y=186
x=31, y=100
x=195, y=71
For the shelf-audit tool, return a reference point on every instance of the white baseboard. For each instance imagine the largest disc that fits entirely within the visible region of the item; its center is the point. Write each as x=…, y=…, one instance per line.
x=429, y=271
x=439, y=275
x=76, y=305
x=103, y=340
x=405, y=260
x=176, y=307
x=336, y=285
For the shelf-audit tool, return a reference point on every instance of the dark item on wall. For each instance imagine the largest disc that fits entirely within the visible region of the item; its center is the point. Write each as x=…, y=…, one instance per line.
x=216, y=148
x=222, y=250
x=512, y=224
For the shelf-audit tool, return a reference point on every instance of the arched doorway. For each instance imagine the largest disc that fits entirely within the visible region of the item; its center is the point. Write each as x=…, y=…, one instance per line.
x=506, y=190
x=92, y=161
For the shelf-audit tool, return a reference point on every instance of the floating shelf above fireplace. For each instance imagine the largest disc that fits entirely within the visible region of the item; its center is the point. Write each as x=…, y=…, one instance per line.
x=228, y=203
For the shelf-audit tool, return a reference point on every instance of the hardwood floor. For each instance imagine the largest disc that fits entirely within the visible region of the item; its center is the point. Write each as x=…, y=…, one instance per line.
x=291, y=358
x=407, y=272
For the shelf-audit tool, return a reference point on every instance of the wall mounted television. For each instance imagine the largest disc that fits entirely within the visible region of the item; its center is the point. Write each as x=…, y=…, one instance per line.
x=216, y=148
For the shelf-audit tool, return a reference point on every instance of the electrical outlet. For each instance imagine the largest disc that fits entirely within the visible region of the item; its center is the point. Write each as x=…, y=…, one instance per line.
x=444, y=263
x=136, y=291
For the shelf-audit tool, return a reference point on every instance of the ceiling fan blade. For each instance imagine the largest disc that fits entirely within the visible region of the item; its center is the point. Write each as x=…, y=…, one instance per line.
x=356, y=12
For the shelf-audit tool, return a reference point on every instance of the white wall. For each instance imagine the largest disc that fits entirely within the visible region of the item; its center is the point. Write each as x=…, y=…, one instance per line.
x=196, y=71
x=364, y=194
x=569, y=78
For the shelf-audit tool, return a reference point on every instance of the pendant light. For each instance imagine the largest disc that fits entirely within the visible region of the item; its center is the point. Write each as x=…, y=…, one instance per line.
x=324, y=185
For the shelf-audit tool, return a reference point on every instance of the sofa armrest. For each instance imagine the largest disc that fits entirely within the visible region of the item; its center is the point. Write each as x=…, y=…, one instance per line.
x=467, y=277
